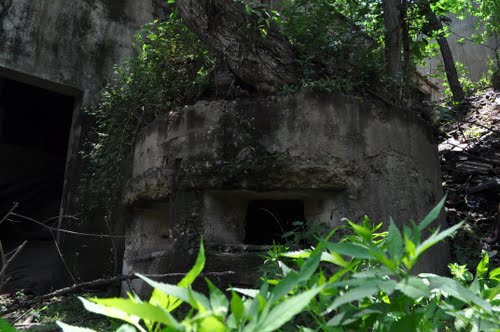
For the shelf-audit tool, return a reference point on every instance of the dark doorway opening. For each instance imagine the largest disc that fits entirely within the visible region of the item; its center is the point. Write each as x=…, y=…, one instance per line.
x=267, y=220
x=34, y=130
x=35, y=125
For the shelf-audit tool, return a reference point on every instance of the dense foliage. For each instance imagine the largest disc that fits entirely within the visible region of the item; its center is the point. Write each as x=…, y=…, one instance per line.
x=487, y=18
x=362, y=283
x=170, y=68
x=339, y=46
x=335, y=42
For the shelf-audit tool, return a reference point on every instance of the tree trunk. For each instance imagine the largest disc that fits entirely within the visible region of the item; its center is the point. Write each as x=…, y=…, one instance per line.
x=262, y=63
x=392, y=34
x=451, y=70
x=449, y=63
x=407, y=65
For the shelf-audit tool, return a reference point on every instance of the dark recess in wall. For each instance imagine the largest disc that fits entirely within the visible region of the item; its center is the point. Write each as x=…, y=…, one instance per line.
x=267, y=220
x=34, y=130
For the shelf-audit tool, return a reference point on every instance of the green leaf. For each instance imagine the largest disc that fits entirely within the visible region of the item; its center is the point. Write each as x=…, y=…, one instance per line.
x=237, y=307
x=245, y=291
x=495, y=274
x=64, y=327
x=363, y=232
x=367, y=288
x=293, y=278
x=381, y=257
x=350, y=316
x=126, y=328
x=286, y=310
x=162, y=299
x=297, y=254
x=287, y=284
x=6, y=327
x=211, y=324
x=492, y=293
x=195, y=271
x=377, y=272
x=411, y=252
x=311, y=264
x=248, y=9
x=432, y=215
x=482, y=267
x=333, y=258
x=437, y=237
x=218, y=301
x=195, y=299
x=349, y=249
x=111, y=312
x=413, y=287
x=455, y=289
x=394, y=241
x=143, y=310
x=198, y=301
x=409, y=322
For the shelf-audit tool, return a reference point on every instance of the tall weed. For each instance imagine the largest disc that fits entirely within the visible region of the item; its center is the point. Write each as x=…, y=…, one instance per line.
x=362, y=283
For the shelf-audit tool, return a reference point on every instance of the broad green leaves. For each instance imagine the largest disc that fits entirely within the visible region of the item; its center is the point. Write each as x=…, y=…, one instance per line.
x=432, y=215
x=413, y=287
x=359, y=283
x=6, y=327
x=286, y=310
x=169, y=302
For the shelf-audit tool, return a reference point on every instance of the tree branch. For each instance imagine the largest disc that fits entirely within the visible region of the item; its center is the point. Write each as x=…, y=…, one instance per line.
x=97, y=284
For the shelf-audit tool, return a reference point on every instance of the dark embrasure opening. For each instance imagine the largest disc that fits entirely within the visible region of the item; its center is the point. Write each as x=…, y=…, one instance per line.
x=267, y=220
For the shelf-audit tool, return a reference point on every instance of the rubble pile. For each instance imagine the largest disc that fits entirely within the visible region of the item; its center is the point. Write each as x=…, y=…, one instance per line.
x=470, y=165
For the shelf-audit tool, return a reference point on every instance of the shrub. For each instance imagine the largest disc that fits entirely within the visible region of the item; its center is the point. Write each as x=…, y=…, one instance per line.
x=169, y=70
x=362, y=283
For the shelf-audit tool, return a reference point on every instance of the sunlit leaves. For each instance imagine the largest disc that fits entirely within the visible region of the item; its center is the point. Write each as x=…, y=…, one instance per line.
x=356, y=284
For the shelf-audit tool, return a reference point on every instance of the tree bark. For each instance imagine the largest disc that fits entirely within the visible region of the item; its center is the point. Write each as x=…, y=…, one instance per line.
x=407, y=65
x=262, y=63
x=451, y=70
x=449, y=63
x=392, y=34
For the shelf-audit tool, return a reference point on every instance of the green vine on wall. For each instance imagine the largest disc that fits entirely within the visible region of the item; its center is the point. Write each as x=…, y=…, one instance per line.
x=170, y=69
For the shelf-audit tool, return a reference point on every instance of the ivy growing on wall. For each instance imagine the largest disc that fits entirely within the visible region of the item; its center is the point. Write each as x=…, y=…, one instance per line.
x=170, y=69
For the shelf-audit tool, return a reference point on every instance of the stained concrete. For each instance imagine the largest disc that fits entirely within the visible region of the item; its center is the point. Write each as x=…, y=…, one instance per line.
x=340, y=156
x=71, y=48
x=73, y=45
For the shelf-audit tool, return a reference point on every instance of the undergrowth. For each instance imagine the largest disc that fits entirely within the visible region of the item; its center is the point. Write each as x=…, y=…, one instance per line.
x=362, y=283
x=170, y=69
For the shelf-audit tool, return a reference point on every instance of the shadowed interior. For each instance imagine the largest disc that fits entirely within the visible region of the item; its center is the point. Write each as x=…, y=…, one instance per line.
x=267, y=220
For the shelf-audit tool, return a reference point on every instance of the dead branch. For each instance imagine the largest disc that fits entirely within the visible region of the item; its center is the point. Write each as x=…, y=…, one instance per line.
x=7, y=261
x=98, y=283
x=55, y=229
x=9, y=213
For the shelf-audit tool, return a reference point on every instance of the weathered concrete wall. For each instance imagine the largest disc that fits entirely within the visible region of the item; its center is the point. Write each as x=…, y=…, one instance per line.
x=340, y=156
x=72, y=44
x=71, y=47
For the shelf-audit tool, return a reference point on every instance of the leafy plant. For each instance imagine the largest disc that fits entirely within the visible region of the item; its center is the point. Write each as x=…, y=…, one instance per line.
x=487, y=15
x=6, y=327
x=335, y=42
x=170, y=69
x=362, y=283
